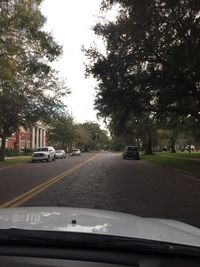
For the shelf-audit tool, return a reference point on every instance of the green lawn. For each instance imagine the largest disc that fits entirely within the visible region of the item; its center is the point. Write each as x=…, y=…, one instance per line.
x=15, y=161
x=183, y=164
x=195, y=155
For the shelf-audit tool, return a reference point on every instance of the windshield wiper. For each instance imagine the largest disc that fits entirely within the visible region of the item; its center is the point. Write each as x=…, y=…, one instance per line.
x=94, y=241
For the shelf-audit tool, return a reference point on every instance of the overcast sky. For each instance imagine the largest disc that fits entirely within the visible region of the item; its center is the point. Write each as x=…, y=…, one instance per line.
x=70, y=22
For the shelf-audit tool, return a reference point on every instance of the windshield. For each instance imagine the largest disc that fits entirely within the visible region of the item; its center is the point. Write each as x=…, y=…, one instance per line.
x=109, y=91
x=131, y=148
x=42, y=149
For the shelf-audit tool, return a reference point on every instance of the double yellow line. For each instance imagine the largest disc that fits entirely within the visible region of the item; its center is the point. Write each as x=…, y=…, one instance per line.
x=15, y=202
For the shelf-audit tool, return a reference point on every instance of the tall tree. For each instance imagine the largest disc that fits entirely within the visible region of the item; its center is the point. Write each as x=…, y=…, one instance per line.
x=162, y=38
x=29, y=89
x=151, y=64
x=91, y=136
x=62, y=131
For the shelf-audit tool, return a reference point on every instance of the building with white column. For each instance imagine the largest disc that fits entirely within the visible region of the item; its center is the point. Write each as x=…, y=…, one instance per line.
x=27, y=138
x=39, y=136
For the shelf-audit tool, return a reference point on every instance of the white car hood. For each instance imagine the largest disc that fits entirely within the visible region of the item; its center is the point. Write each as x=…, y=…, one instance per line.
x=99, y=222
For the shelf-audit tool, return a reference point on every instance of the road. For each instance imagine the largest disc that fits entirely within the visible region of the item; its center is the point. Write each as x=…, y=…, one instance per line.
x=103, y=181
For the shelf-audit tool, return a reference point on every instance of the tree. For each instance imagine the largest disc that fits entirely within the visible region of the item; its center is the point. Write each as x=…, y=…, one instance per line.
x=91, y=137
x=173, y=124
x=97, y=135
x=29, y=89
x=62, y=131
x=163, y=139
x=190, y=133
x=118, y=142
x=137, y=130
x=83, y=138
x=66, y=133
x=151, y=60
x=164, y=45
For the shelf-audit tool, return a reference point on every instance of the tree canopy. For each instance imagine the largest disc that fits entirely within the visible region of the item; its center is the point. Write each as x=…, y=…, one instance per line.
x=66, y=134
x=62, y=131
x=151, y=64
x=30, y=89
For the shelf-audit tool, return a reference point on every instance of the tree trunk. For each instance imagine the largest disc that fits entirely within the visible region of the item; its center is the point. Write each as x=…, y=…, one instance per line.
x=173, y=143
x=3, y=147
x=189, y=148
x=63, y=144
x=148, y=150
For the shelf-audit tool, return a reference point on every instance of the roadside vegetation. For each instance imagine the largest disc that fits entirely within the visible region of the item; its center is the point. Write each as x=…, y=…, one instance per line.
x=148, y=86
x=65, y=133
x=181, y=161
x=17, y=160
x=193, y=155
x=30, y=89
x=148, y=79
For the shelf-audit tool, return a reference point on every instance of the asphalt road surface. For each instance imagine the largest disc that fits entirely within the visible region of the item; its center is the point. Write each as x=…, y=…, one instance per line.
x=103, y=181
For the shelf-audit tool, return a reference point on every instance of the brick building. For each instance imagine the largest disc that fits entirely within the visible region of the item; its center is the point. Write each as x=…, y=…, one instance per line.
x=29, y=138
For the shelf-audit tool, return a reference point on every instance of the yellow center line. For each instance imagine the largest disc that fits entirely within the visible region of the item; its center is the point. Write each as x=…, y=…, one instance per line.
x=17, y=201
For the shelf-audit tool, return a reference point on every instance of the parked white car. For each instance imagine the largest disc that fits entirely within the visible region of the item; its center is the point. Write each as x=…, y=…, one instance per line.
x=76, y=152
x=44, y=153
x=60, y=154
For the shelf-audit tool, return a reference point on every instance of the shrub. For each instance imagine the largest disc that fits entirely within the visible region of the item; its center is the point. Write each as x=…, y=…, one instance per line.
x=9, y=152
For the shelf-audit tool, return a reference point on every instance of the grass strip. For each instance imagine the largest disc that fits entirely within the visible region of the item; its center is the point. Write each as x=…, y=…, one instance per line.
x=15, y=161
x=190, y=166
x=193, y=155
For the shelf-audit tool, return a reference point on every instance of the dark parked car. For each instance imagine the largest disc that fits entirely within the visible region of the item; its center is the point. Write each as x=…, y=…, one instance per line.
x=131, y=152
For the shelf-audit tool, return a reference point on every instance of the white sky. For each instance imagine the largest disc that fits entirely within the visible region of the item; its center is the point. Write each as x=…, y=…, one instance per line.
x=70, y=21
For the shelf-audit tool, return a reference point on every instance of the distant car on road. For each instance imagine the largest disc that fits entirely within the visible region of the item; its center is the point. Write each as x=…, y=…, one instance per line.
x=131, y=152
x=76, y=152
x=60, y=154
x=46, y=153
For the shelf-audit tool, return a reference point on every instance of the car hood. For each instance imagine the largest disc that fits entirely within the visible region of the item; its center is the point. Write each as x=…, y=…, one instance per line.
x=99, y=222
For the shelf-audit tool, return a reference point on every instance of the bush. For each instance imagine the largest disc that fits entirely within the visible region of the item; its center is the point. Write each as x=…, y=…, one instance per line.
x=9, y=152
x=27, y=151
